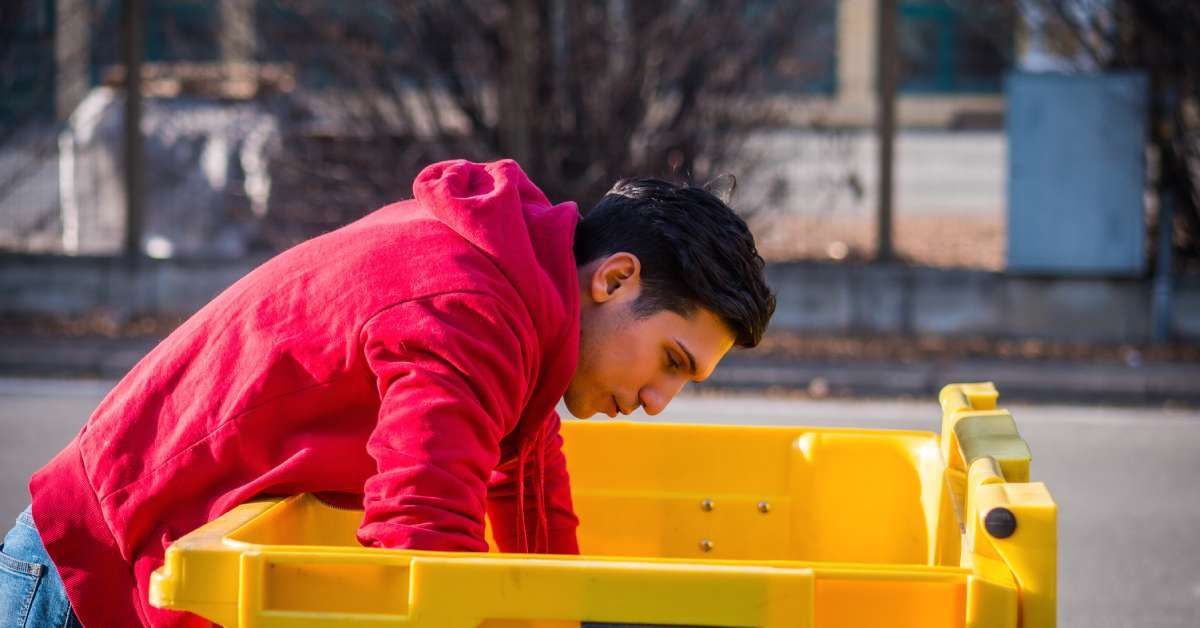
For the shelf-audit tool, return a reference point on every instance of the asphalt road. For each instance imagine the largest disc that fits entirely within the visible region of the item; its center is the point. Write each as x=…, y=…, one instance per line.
x=1127, y=482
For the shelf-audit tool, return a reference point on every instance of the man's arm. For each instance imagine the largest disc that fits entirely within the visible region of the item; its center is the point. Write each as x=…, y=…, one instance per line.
x=560, y=513
x=451, y=378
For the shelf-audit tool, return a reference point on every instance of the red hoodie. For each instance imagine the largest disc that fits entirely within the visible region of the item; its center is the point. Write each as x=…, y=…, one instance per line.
x=409, y=363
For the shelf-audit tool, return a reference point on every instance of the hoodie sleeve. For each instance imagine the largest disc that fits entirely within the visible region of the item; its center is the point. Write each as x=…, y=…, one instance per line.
x=451, y=379
x=560, y=513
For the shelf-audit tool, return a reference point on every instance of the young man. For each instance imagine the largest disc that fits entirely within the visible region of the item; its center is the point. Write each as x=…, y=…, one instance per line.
x=408, y=364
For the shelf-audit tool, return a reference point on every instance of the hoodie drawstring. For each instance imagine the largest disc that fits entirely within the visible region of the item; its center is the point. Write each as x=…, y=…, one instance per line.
x=543, y=529
x=521, y=458
x=541, y=542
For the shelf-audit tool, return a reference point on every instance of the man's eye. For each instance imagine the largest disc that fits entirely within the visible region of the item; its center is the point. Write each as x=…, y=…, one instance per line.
x=671, y=361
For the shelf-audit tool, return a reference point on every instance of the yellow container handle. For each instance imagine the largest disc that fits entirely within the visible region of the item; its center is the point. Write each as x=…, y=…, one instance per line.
x=515, y=588
x=1006, y=517
x=973, y=429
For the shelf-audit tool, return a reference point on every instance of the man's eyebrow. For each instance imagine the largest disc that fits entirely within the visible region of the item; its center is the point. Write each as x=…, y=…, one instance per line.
x=691, y=358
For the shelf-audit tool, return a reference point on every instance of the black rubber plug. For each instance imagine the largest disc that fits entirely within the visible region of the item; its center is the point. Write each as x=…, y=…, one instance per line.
x=1000, y=523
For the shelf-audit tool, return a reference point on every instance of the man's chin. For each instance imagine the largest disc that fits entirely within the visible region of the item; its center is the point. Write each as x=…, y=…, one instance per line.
x=575, y=410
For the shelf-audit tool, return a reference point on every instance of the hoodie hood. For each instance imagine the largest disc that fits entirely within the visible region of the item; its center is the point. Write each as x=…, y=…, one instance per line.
x=498, y=209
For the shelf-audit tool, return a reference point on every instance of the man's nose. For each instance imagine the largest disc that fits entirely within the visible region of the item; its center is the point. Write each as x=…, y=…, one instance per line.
x=656, y=397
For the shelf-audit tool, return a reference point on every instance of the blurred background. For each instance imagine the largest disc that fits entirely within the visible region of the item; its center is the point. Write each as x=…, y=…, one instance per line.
x=927, y=177
x=944, y=190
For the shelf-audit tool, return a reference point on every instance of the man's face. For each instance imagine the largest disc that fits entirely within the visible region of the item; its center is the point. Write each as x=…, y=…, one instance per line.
x=626, y=362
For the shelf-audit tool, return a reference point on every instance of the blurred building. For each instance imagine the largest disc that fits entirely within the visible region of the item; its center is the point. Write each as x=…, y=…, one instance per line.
x=953, y=58
x=954, y=55
x=216, y=134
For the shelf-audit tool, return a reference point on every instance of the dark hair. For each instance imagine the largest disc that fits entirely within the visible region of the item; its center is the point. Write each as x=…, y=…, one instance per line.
x=694, y=251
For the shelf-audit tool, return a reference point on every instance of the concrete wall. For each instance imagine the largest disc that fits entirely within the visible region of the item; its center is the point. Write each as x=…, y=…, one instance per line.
x=813, y=297
x=73, y=286
x=844, y=299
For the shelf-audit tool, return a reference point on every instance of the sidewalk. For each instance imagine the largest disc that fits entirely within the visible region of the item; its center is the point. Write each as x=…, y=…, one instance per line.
x=1017, y=379
x=1043, y=379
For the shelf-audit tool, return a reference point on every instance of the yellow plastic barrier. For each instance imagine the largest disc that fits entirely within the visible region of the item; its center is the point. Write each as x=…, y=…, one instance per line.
x=683, y=525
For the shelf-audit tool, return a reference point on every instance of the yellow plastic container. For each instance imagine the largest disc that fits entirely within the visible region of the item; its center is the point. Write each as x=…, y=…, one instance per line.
x=683, y=524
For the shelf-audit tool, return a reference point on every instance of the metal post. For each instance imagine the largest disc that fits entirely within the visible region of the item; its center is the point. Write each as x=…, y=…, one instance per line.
x=885, y=55
x=131, y=53
x=1161, y=292
x=237, y=37
x=516, y=106
x=1160, y=305
x=72, y=54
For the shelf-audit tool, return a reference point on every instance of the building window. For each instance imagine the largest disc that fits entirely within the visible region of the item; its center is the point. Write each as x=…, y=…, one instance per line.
x=954, y=45
x=26, y=61
x=181, y=30
x=807, y=61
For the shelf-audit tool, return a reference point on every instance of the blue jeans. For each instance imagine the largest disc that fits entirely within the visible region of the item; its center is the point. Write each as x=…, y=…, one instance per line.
x=31, y=592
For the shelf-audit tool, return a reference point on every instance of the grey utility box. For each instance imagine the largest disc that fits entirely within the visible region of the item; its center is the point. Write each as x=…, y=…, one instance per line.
x=1076, y=173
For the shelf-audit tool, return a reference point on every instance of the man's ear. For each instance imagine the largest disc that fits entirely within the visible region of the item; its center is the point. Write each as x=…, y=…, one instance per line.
x=615, y=277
